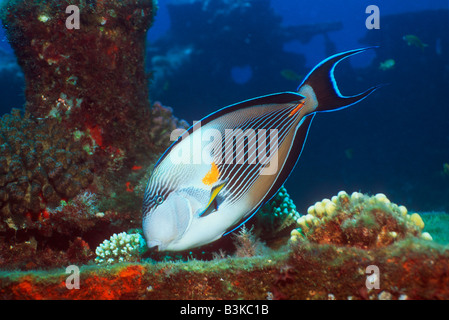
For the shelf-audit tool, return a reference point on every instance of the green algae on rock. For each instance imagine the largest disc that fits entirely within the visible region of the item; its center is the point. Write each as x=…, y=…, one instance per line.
x=307, y=271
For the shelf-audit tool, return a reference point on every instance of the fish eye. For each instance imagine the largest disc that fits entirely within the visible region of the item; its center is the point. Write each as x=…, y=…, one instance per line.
x=159, y=199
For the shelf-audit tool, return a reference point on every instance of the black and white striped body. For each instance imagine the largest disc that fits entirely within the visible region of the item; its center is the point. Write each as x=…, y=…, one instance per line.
x=249, y=148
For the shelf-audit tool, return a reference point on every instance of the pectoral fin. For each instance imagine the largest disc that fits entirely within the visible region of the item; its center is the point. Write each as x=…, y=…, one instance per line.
x=212, y=204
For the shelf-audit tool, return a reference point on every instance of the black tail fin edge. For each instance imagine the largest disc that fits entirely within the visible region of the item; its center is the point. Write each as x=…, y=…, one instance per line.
x=321, y=80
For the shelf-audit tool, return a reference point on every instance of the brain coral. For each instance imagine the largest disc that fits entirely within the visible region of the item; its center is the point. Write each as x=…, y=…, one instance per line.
x=41, y=163
x=358, y=220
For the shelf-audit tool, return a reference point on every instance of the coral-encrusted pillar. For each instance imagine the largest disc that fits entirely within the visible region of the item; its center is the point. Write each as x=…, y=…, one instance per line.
x=91, y=78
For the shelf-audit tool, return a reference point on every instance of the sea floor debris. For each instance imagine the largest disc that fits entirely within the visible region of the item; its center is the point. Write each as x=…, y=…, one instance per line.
x=409, y=269
x=408, y=266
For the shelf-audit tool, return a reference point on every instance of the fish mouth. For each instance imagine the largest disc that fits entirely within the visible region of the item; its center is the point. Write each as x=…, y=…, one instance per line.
x=155, y=245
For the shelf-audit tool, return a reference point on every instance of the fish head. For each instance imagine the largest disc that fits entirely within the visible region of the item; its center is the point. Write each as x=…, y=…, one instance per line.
x=166, y=220
x=186, y=219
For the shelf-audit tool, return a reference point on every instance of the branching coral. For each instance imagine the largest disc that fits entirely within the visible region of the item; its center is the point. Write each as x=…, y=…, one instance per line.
x=358, y=220
x=122, y=247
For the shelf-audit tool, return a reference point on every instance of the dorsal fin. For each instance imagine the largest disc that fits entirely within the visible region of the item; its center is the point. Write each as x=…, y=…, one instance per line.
x=275, y=98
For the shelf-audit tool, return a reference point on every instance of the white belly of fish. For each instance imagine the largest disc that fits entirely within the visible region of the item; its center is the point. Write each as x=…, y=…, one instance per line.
x=203, y=230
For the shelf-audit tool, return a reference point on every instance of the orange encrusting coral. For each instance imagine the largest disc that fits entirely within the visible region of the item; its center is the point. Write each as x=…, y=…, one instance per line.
x=119, y=286
x=113, y=285
x=26, y=289
x=410, y=269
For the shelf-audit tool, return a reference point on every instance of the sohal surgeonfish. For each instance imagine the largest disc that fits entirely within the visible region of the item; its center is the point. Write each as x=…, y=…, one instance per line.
x=219, y=172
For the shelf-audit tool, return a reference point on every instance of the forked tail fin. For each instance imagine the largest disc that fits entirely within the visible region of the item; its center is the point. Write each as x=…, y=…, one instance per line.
x=320, y=85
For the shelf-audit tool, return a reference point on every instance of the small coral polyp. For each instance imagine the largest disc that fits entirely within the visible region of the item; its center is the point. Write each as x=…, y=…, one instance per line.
x=358, y=220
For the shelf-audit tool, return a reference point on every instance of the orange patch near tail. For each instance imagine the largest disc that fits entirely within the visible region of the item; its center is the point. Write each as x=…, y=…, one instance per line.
x=297, y=108
x=211, y=176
